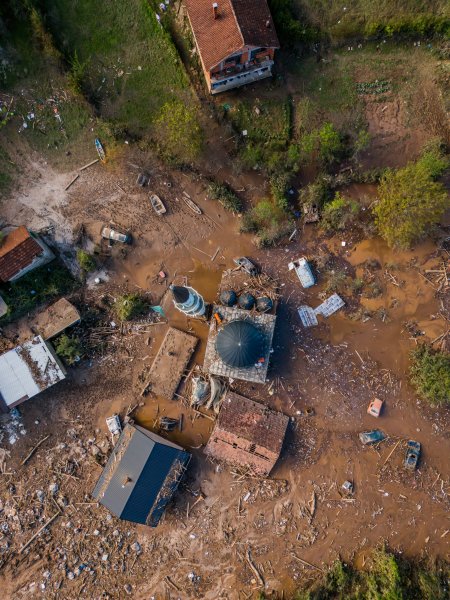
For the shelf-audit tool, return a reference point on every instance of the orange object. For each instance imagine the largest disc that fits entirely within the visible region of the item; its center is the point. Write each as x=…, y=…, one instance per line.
x=375, y=407
x=218, y=318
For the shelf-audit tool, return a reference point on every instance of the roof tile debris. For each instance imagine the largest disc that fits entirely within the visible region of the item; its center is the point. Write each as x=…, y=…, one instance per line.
x=247, y=433
x=239, y=23
x=18, y=251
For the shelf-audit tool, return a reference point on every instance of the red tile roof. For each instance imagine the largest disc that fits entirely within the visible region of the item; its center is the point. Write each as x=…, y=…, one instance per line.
x=247, y=433
x=18, y=251
x=239, y=23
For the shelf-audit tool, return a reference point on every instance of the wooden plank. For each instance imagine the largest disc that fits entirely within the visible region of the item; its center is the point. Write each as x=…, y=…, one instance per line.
x=89, y=164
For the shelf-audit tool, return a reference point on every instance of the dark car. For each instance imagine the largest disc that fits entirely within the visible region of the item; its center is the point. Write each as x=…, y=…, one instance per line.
x=371, y=437
x=412, y=454
x=246, y=264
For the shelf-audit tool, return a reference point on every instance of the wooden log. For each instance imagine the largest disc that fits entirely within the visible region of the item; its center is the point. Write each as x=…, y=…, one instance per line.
x=305, y=562
x=89, y=164
x=213, y=257
x=33, y=450
x=254, y=569
x=71, y=182
x=49, y=522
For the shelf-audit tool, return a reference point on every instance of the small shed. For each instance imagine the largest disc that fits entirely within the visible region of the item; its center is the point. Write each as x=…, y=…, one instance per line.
x=247, y=433
x=141, y=476
x=56, y=318
x=26, y=371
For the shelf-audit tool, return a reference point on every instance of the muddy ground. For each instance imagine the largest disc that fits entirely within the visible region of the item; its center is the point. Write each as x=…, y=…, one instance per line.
x=335, y=370
x=322, y=378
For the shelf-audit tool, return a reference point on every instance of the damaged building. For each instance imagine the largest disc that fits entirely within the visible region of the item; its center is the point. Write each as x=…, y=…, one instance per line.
x=141, y=476
x=248, y=434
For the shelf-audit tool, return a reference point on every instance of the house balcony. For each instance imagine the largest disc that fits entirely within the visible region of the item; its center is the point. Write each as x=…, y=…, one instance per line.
x=241, y=74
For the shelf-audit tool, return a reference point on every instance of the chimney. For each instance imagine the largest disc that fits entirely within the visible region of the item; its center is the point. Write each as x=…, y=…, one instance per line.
x=215, y=10
x=126, y=480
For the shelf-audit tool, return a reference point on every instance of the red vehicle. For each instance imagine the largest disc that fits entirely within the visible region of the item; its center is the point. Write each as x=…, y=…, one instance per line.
x=375, y=407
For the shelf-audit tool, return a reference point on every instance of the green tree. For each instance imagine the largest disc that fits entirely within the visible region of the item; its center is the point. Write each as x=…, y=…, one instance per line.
x=410, y=202
x=330, y=143
x=430, y=374
x=86, y=261
x=179, y=134
x=68, y=348
x=129, y=306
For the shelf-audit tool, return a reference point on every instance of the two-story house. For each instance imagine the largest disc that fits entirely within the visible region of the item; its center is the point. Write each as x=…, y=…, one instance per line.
x=236, y=41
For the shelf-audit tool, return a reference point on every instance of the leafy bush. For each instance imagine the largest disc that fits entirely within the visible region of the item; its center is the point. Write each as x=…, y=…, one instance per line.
x=68, y=348
x=339, y=214
x=409, y=26
x=315, y=194
x=324, y=144
x=34, y=288
x=410, y=201
x=430, y=374
x=268, y=221
x=86, y=261
x=279, y=186
x=292, y=28
x=226, y=196
x=178, y=132
x=129, y=306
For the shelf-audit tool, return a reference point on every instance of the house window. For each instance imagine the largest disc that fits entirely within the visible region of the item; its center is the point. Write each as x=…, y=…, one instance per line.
x=234, y=445
x=252, y=448
x=231, y=59
x=254, y=52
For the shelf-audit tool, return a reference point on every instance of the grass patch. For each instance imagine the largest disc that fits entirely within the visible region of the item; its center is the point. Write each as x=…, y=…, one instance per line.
x=130, y=66
x=130, y=306
x=430, y=374
x=390, y=577
x=340, y=20
x=35, y=288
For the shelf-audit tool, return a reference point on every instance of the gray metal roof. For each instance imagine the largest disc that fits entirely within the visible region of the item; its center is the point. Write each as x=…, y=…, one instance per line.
x=141, y=475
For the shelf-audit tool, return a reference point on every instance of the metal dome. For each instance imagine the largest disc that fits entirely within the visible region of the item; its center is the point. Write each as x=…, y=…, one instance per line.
x=240, y=344
x=228, y=298
x=246, y=301
x=264, y=304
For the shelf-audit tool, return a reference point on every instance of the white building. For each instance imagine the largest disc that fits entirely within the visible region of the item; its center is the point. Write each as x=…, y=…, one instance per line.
x=26, y=371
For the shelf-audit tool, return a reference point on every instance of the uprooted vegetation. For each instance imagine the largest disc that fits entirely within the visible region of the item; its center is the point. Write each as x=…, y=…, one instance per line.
x=389, y=576
x=267, y=221
x=225, y=195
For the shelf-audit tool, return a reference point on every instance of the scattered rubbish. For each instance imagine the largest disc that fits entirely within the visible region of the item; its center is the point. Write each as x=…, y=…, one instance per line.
x=97, y=280
x=114, y=425
x=100, y=150
x=246, y=265
x=200, y=391
x=307, y=316
x=168, y=423
x=330, y=306
x=372, y=437
x=375, y=407
x=157, y=204
x=218, y=318
x=310, y=212
x=143, y=179
x=218, y=389
x=347, y=486
x=303, y=271
x=413, y=450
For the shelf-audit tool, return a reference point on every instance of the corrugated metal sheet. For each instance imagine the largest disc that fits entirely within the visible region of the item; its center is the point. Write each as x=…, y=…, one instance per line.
x=18, y=380
x=141, y=464
x=304, y=272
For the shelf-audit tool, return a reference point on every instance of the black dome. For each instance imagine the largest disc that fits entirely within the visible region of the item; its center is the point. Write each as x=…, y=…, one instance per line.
x=240, y=344
x=246, y=301
x=228, y=298
x=264, y=304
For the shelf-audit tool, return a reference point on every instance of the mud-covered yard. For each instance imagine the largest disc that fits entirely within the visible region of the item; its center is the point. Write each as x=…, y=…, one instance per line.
x=297, y=522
